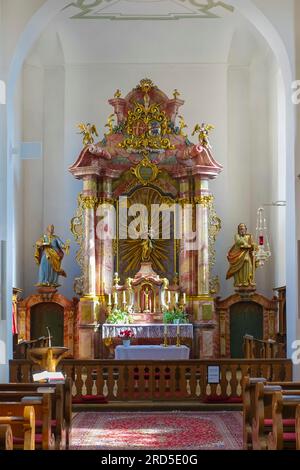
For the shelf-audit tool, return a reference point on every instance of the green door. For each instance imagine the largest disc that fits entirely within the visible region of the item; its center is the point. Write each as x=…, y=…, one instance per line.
x=49, y=315
x=245, y=318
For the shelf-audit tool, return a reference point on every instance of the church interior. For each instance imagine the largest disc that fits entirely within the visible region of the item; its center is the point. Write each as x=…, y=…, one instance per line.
x=149, y=235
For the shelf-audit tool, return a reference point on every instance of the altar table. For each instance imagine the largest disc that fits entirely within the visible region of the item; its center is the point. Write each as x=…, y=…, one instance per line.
x=152, y=352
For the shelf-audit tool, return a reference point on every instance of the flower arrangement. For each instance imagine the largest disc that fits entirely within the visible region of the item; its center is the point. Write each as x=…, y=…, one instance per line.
x=118, y=316
x=126, y=334
x=175, y=315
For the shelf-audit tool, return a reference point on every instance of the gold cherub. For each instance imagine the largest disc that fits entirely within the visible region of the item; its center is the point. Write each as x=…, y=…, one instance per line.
x=203, y=132
x=88, y=131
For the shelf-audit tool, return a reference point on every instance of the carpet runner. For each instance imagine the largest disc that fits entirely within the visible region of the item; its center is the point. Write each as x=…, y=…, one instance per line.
x=181, y=430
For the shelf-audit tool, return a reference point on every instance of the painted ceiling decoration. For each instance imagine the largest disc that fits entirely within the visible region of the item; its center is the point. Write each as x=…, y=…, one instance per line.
x=147, y=9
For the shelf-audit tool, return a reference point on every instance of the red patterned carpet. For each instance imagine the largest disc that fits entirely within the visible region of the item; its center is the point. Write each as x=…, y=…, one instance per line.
x=181, y=430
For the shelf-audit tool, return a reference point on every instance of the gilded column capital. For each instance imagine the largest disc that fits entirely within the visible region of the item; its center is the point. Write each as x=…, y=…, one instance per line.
x=89, y=202
x=184, y=201
x=106, y=200
x=205, y=201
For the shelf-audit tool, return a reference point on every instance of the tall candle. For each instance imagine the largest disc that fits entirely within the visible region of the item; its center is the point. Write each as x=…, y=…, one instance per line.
x=116, y=298
x=109, y=299
x=184, y=298
x=124, y=297
x=169, y=297
x=176, y=297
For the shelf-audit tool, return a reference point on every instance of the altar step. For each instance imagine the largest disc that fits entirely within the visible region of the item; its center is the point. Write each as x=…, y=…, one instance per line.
x=158, y=406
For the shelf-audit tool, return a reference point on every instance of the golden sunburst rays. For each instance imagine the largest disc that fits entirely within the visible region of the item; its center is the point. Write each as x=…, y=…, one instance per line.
x=155, y=243
x=131, y=254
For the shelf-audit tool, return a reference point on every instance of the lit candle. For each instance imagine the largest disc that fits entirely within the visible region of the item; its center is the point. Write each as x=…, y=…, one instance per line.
x=124, y=297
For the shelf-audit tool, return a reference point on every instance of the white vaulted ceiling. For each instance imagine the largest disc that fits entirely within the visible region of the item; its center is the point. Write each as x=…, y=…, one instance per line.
x=147, y=9
x=188, y=40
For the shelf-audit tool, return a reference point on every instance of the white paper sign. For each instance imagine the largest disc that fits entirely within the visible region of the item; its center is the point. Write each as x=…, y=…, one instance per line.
x=213, y=374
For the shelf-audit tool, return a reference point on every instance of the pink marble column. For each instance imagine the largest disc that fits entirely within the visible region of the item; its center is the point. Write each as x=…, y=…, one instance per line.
x=186, y=256
x=105, y=235
x=202, y=200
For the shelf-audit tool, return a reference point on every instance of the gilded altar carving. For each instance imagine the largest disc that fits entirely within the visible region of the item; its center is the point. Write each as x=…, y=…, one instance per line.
x=89, y=202
x=205, y=201
x=132, y=252
x=214, y=228
x=146, y=171
x=77, y=229
x=146, y=157
x=147, y=126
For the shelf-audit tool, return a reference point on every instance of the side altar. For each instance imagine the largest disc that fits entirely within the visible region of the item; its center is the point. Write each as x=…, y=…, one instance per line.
x=145, y=222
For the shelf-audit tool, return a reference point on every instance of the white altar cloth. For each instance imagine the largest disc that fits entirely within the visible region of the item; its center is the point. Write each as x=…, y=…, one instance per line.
x=152, y=352
x=149, y=330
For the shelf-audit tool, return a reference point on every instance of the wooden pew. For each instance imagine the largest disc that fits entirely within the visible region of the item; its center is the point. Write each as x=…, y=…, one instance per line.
x=6, y=437
x=248, y=387
x=12, y=403
x=249, y=384
x=22, y=428
x=297, y=427
x=284, y=407
x=61, y=407
x=263, y=406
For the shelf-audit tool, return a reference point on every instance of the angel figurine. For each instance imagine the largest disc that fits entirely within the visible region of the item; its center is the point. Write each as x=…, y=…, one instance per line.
x=88, y=131
x=203, y=132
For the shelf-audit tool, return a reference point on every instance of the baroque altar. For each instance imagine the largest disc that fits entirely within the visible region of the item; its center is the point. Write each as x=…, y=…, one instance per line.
x=145, y=222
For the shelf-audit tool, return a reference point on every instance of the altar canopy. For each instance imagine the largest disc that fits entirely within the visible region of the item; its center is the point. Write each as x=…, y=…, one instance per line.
x=147, y=214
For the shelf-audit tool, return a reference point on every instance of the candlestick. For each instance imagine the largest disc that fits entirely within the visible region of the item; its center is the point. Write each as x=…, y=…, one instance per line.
x=177, y=336
x=165, y=336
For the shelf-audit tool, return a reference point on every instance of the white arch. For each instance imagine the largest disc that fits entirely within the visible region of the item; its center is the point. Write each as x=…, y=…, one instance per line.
x=51, y=8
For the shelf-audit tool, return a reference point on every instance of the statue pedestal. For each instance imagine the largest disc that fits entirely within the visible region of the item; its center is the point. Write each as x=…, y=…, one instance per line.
x=47, y=289
x=246, y=291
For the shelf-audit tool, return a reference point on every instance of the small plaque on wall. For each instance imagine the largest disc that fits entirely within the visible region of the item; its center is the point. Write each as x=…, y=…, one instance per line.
x=207, y=313
x=213, y=374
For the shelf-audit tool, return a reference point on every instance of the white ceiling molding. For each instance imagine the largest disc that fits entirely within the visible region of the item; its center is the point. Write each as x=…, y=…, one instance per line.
x=147, y=9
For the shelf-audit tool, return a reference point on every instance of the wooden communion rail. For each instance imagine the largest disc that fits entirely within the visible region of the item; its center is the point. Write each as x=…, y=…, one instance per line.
x=160, y=380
